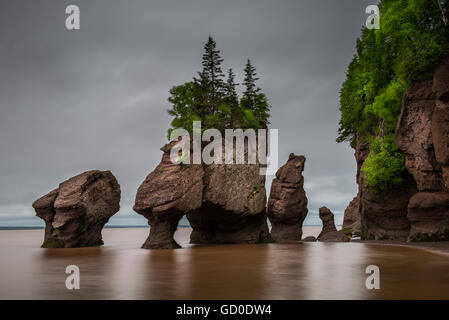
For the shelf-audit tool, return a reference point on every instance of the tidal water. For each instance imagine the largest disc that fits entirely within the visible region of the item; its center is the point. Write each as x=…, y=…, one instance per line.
x=121, y=270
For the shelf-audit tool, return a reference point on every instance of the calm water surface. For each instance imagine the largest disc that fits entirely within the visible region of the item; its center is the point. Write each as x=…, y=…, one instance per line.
x=120, y=270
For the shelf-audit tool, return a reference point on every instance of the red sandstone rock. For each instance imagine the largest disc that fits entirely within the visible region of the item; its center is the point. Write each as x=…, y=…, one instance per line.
x=327, y=217
x=223, y=203
x=168, y=193
x=351, y=219
x=76, y=212
x=329, y=233
x=287, y=205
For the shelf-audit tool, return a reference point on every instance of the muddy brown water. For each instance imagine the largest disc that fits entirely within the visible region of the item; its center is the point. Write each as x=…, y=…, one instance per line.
x=121, y=270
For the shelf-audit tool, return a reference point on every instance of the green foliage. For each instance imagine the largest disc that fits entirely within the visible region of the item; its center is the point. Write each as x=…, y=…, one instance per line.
x=384, y=167
x=256, y=189
x=412, y=39
x=215, y=102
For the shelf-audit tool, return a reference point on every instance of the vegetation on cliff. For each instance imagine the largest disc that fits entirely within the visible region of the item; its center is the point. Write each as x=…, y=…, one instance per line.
x=412, y=38
x=213, y=100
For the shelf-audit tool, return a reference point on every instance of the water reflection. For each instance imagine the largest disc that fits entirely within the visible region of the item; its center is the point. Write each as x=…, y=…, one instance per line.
x=120, y=270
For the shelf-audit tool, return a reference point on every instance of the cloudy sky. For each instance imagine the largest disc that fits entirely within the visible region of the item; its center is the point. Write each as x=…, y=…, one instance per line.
x=96, y=98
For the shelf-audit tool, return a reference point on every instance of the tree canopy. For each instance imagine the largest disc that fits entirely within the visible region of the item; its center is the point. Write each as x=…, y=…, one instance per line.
x=412, y=39
x=213, y=100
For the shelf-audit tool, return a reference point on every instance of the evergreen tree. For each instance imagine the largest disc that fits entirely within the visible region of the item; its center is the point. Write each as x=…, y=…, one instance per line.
x=411, y=41
x=214, y=102
x=250, y=83
x=254, y=103
x=232, y=100
x=211, y=78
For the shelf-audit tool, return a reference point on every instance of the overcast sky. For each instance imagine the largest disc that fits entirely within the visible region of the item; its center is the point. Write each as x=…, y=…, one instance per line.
x=96, y=98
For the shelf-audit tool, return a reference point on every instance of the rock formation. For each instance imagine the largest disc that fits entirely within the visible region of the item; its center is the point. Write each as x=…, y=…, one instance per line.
x=423, y=135
x=327, y=217
x=382, y=216
x=224, y=203
x=76, y=212
x=329, y=233
x=419, y=210
x=287, y=204
x=309, y=239
x=168, y=193
x=233, y=206
x=351, y=221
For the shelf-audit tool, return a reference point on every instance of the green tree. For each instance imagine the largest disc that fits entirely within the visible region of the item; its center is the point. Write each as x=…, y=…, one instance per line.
x=251, y=91
x=412, y=39
x=211, y=78
x=253, y=102
x=231, y=100
x=214, y=102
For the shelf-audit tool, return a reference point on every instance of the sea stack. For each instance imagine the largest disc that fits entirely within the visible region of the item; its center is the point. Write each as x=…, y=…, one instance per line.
x=166, y=195
x=327, y=217
x=224, y=203
x=329, y=233
x=77, y=210
x=233, y=206
x=287, y=204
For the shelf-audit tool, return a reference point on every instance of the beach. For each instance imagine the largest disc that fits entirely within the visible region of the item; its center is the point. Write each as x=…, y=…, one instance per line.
x=121, y=270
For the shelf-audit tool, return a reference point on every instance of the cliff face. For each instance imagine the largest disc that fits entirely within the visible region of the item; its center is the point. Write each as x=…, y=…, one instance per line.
x=415, y=213
x=423, y=135
x=377, y=216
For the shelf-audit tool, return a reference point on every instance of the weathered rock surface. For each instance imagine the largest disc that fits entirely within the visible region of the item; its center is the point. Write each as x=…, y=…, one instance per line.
x=352, y=215
x=76, y=212
x=352, y=218
x=287, y=204
x=414, y=136
x=168, y=193
x=223, y=203
x=334, y=236
x=327, y=217
x=423, y=136
x=421, y=212
x=382, y=216
x=428, y=213
x=309, y=239
x=233, y=208
x=440, y=121
x=329, y=233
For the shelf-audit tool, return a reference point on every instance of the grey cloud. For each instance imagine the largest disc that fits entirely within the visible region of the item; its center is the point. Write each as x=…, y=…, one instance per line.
x=97, y=97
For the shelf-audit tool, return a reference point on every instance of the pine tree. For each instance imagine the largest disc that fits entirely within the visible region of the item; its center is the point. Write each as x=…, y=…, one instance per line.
x=250, y=83
x=232, y=100
x=211, y=78
x=214, y=101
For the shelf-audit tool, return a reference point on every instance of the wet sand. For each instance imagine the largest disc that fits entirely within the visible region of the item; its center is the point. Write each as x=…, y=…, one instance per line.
x=121, y=270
